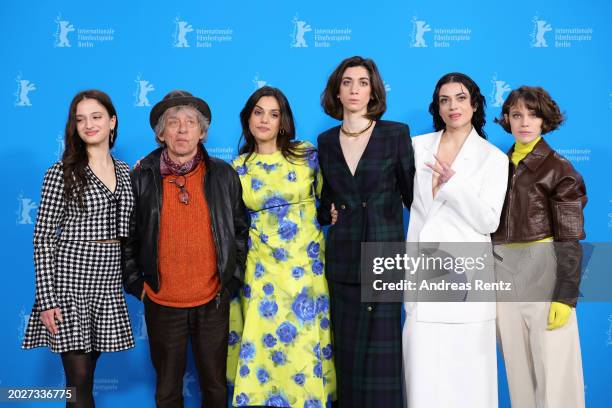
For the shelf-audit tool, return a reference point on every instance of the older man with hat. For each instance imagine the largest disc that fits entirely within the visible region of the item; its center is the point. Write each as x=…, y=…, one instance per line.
x=187, y=249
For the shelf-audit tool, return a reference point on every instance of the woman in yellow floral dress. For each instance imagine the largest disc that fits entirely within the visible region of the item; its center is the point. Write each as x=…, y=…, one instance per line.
x=280, y=340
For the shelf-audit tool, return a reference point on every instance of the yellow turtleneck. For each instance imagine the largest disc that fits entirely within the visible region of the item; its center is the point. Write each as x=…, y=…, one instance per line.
x=521, y=151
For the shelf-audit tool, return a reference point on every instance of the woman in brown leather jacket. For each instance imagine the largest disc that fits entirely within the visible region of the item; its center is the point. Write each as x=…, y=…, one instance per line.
x=537, y=250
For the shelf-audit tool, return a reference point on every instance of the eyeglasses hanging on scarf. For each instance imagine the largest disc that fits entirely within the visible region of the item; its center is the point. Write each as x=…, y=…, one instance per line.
x=183, y=194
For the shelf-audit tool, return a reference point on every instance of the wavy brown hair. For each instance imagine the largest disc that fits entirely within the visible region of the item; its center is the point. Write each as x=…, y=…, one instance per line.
x=536, y=99
x=285, y=139
x=75, y=157
x=378, y=103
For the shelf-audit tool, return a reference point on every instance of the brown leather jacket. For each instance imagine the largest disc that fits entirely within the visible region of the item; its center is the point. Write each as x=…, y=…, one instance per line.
x=545, y=198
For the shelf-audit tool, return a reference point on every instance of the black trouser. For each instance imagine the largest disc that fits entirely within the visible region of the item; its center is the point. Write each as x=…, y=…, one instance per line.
x=169, y=328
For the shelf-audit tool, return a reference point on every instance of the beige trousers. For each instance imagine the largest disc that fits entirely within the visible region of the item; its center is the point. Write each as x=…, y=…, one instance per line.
x=544, y=367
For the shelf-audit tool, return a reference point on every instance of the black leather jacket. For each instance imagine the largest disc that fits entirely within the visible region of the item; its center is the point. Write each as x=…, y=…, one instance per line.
x=229, y=222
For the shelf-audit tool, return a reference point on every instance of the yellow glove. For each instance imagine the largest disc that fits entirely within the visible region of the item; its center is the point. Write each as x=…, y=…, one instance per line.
x=558, y=315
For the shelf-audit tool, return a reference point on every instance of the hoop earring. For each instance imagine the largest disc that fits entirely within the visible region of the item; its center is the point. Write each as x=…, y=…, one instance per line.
x=281, y=132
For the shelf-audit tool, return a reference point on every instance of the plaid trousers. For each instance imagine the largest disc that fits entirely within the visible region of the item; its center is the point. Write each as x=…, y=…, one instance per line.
x=368, y=349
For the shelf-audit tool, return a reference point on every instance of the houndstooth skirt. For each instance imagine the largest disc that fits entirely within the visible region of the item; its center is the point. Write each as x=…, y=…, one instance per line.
x=88, y=288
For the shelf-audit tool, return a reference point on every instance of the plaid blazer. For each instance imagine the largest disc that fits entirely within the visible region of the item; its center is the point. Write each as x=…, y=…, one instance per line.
x=369, y=203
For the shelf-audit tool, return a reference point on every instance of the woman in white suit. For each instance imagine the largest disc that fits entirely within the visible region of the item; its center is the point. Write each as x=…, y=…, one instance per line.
x=460, y=183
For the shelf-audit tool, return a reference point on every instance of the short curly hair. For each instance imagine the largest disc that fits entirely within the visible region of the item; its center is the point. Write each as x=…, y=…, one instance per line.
x=537, y=100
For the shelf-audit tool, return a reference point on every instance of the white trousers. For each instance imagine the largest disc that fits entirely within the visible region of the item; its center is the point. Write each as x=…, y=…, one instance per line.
x=544, y=367
x=449, y=365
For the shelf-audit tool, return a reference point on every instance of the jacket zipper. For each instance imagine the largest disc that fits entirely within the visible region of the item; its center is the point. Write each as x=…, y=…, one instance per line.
x=214, y=230
x=158, y=187
x=218, y=299
x=510, y=196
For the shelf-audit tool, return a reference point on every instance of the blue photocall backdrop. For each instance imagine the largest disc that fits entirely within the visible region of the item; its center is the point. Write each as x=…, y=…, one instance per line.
x=222, y=51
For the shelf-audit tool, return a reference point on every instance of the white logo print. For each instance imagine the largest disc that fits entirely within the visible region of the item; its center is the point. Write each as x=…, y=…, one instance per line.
x=540, y=27
x=141, y=332
x=387, y=87
x=24, y=87
x=419, y=28
x=259, y=83
x=143, y=87
x=26, y=205
x=107, y=385
x=23, y=324
x=609, y=332
x=499, y=89
x=223, y=153
x=180, y=33
x=61, y=34
x=60, y=145
x=187, y=379
x=297, y=36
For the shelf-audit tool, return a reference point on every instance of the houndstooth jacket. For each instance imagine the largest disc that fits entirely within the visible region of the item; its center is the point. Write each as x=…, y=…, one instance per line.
x=105, y=215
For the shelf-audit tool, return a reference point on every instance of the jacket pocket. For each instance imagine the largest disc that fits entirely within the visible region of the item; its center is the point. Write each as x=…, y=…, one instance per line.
x=568, y=220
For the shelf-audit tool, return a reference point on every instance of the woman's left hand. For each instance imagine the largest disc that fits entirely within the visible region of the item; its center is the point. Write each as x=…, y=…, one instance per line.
x=137, y=165
x=442, y=168
x=334, y=214
x=558, y=315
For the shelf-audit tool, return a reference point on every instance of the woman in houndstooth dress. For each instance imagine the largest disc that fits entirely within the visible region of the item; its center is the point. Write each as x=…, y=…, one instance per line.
x=85, y=205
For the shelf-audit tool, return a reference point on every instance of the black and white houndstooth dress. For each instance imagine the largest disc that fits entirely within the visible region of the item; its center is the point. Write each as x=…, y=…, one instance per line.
x=81, y=277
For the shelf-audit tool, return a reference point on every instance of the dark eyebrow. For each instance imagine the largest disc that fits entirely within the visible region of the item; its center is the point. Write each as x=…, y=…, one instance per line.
x=360, y=78
x=458, y=94
x=516, y=109
x=92, y=113
x=271, y=110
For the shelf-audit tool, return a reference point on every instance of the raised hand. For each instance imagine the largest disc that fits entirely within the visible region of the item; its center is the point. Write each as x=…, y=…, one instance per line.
x=442, y=168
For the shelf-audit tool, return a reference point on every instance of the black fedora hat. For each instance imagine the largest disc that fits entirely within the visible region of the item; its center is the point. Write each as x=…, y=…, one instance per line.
x=178, y=98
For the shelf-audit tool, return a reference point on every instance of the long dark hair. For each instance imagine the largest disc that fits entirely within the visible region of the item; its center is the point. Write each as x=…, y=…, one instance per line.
x=75, y=158
x=286, y=134
x=329, y=98
x=477, y=101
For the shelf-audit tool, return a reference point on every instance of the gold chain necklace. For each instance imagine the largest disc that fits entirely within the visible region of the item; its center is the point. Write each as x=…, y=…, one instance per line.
x=355, y=134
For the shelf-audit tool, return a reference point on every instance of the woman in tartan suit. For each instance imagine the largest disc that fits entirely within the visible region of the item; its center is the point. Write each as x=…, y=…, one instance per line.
x=368, y=171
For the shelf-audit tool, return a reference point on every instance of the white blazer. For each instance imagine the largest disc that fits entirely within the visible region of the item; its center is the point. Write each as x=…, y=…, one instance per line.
x=465, y=209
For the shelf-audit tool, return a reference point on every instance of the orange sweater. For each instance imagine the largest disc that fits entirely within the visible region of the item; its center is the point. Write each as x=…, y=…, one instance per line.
x=187, y=260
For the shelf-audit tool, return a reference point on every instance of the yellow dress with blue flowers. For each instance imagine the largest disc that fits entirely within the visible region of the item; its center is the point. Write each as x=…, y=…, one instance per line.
x=280, y=351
